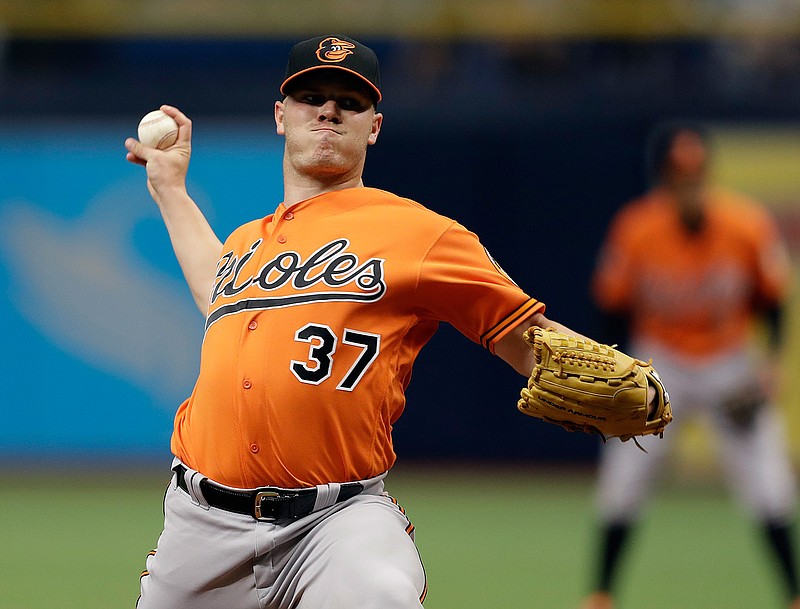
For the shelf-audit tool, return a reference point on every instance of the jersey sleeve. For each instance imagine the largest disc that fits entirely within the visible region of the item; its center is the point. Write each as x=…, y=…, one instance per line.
x=773, y=264
x=611, y=284
x=461, y=284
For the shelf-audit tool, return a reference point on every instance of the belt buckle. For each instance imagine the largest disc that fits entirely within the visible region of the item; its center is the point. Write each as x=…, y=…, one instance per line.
x=260, y=496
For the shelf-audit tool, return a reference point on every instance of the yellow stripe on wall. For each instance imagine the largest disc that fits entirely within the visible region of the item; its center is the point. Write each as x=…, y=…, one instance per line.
x=473, y=19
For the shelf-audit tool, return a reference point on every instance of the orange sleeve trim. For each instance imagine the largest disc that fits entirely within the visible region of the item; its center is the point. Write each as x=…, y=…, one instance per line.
x=528, y=308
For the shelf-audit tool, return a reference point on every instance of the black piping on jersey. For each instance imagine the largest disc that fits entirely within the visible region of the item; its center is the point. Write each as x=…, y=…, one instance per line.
x=510, y=321
x=279, y=302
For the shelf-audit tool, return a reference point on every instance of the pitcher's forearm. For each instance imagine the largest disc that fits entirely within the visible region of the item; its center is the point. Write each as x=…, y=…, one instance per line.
x=196, y=246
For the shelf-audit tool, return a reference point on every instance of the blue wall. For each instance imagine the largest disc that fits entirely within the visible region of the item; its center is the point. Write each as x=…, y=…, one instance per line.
x=102, y=337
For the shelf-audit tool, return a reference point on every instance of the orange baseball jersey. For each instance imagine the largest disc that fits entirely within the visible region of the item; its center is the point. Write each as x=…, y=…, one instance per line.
x=315, y=318
x=694, y=293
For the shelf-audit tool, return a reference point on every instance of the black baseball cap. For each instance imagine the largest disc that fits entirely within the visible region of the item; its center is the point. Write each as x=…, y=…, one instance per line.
x=339, y=52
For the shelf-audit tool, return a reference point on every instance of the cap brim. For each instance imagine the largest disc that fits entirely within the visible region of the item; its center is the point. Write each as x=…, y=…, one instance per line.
x=373, y=89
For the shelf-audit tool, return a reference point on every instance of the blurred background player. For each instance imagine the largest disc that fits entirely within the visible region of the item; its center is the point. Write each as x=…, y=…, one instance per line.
x=689, y=271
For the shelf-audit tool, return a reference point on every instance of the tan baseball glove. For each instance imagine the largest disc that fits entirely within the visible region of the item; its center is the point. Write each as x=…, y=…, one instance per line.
x=586, y=386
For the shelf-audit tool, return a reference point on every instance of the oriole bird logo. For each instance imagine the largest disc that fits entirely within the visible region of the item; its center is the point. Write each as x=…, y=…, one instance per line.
x=334, y=50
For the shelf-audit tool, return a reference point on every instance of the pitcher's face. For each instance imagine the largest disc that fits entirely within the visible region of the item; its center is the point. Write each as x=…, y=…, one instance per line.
x=328, y=120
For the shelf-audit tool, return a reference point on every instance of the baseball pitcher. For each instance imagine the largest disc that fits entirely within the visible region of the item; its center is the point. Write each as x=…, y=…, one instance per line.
x=314, y=316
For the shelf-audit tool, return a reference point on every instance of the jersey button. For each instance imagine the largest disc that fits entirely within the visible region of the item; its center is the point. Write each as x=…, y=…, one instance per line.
x=288, y=215
x=252, y=325
x=247, y=384
x=281, y=238
x=254, y=448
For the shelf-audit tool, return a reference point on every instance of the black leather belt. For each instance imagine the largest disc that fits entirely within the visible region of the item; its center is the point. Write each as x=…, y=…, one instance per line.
x=269, y=503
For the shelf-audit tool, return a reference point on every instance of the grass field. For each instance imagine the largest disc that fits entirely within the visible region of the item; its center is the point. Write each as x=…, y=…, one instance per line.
x=489, y=538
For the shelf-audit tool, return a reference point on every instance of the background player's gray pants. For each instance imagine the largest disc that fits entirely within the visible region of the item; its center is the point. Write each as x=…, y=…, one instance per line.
x=354, y=554
x=755, y=459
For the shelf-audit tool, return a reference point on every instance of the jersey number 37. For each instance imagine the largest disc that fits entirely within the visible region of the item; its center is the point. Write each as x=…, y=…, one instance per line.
x=322, y=345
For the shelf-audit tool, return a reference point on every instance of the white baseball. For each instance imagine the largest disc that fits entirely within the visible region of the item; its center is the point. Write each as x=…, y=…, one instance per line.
x=158, y=130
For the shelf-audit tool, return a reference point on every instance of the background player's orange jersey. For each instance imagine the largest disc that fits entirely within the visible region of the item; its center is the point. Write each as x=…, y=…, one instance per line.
x=312, y=336
x=694, y=293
